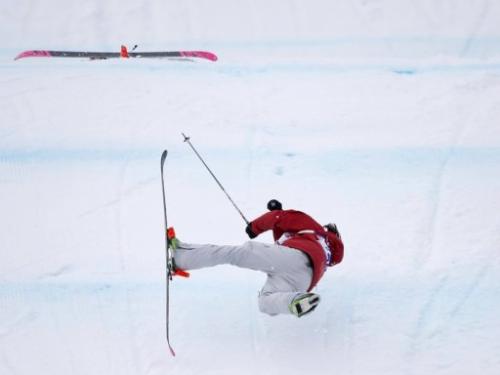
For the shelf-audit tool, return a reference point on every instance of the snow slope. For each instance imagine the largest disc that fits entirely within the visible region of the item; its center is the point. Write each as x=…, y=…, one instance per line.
x=379, y=115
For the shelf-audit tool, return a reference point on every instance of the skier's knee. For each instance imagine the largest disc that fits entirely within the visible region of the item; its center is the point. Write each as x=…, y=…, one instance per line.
x=263, y=309
x=264, y=305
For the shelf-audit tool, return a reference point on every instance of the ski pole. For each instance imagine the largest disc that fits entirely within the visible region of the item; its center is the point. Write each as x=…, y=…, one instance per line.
x=187, y=139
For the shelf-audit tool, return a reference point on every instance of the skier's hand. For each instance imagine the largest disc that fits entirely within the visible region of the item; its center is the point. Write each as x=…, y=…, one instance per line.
x=274, y=204
x=249, y=231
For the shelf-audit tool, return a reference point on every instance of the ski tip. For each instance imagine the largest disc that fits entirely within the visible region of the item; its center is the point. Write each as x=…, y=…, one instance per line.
x=23, y=54
x=164, y=156
x=32, y=54
x=200, y=54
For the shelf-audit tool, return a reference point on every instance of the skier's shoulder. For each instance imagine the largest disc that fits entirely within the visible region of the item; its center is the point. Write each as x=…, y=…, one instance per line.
x=288, y=219
x=296, y=217
x=286, y=214
x=297, y=213
x=293, y=212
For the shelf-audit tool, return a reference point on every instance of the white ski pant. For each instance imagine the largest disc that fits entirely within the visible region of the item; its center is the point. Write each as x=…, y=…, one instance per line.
x=288, y=270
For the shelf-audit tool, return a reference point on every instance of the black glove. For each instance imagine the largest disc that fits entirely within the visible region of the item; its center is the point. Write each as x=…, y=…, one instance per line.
x=248, y=229
x=274, y=204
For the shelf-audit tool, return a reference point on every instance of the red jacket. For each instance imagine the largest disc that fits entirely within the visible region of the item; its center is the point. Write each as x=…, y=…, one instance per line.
x=293, y=222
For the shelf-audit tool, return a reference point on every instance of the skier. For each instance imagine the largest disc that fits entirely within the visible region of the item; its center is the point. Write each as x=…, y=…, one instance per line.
x=294, y=264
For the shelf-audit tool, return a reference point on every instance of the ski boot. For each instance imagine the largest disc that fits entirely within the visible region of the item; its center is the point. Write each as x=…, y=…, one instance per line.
x=304, y=303
x=173, y=244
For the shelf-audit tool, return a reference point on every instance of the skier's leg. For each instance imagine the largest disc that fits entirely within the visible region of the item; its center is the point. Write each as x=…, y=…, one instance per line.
x=253, y=255
x=280, y=290
x=289, y=271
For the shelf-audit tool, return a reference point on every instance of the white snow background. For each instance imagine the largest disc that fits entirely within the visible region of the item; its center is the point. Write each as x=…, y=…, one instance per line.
x=382, y=116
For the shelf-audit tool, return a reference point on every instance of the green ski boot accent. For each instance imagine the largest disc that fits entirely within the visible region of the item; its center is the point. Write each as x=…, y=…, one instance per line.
x=173, y=244
x=304, y=303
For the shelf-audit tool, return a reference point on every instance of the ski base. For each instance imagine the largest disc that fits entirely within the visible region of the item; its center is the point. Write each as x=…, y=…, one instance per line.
x=170, y=246
x=168, y=259
x=124, y=53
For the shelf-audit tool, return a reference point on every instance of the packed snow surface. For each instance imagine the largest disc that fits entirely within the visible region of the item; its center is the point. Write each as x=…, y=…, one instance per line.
x=382, y=116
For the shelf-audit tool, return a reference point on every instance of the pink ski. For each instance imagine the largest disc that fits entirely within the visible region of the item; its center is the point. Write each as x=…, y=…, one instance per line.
x=122, y=54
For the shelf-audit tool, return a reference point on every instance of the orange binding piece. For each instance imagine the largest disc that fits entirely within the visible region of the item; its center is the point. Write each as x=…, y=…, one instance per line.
x=171, y=237
x=181, y=273
x=124, y=52
x=170, y=233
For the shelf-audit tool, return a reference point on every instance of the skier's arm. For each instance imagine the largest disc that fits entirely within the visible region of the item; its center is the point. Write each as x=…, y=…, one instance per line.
x=249, y=231
x=263, y=223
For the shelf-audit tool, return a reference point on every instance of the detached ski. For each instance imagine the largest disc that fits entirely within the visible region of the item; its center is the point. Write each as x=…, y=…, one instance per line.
x=124, y=53
x=168, y=257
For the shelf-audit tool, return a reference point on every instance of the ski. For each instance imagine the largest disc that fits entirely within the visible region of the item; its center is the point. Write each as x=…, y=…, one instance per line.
x=168, y=257
x=171, y=243
x=124, y=53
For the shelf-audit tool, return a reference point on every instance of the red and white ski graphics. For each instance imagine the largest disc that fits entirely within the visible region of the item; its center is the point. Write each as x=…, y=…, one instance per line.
x=124, y=53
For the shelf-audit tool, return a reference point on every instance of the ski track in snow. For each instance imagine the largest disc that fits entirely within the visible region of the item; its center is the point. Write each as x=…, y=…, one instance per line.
x=438, y=194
